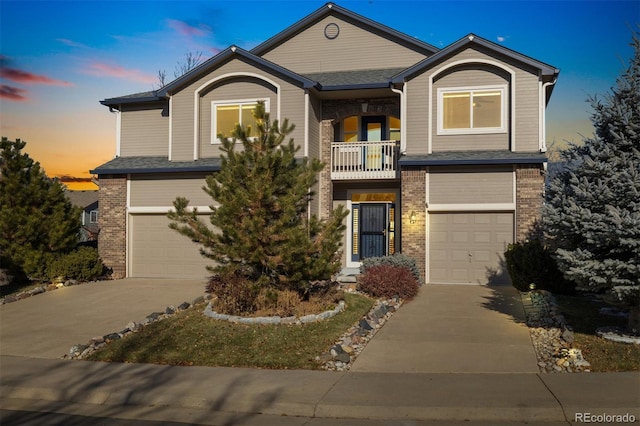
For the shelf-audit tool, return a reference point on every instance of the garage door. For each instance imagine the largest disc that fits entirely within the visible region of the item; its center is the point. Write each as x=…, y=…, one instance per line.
x=469, y=247
x=160, y=252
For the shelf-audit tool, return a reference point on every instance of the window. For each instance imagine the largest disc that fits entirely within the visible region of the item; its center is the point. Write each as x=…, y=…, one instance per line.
x=93, y=216
x=394, y=129
x=225, y=116
x=351, y=129
x=476, y=110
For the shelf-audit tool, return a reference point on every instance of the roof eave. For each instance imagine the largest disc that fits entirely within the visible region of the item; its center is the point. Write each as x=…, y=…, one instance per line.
x=133, y=170
x=115, y=102
x=469, y=162
x=354, y=87
x=225, y=55
x=545, y=69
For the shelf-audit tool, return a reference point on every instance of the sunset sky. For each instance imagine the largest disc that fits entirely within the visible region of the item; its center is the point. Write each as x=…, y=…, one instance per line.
x=58, y=59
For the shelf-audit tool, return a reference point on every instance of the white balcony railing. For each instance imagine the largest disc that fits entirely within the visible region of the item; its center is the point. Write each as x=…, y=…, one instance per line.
x=364, y=160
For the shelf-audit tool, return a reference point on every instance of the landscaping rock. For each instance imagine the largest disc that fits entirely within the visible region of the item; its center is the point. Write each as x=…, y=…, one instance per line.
x=183, y=306
x=551, y=336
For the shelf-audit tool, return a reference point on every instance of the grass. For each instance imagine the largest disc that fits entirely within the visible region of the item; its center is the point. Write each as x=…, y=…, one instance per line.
x=191, y=338
x=582, y=313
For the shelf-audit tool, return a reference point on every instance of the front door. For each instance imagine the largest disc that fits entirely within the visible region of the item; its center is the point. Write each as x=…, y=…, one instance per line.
x=373, y=229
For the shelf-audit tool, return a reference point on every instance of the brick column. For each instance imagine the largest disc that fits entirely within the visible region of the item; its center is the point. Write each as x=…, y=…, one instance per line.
x=112, y=239
x=413, y=241
x=325, y=188
x=529, y=198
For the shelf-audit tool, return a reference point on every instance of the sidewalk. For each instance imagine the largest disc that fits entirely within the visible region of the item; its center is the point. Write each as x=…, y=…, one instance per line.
x=54, y=385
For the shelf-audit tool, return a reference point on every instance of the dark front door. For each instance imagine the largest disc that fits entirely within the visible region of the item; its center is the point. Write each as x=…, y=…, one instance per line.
x=373, y=230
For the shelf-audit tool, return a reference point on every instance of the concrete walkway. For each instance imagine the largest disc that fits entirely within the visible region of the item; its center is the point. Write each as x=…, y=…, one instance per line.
x=454, y=329
x=48, y=324
x=432, y=362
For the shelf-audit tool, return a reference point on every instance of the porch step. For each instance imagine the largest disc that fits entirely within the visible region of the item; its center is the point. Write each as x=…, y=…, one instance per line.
x=348, y=277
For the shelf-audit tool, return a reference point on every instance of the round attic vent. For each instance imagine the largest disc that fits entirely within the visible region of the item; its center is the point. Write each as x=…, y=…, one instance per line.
x=331, y=31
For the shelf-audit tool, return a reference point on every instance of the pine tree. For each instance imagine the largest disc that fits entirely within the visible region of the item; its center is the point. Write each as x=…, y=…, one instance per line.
x=37, y=221
x=592, y=211
x=260, y=211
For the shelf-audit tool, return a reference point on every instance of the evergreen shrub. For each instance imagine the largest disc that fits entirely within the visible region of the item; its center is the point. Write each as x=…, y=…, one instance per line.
x=532, y=263
x=389, y=281
x=82, y=264
x=398, y=260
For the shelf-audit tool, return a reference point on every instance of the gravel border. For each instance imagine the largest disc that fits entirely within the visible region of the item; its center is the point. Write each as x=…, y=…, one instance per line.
x=551, y=336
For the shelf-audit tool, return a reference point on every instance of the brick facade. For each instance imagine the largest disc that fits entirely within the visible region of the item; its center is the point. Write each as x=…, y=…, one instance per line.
x=529, y=198
x=325, y=187
x=112, y=239
x=413, y=193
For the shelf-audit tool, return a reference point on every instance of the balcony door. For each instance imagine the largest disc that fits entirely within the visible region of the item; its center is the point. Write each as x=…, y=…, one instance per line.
x=373, y=129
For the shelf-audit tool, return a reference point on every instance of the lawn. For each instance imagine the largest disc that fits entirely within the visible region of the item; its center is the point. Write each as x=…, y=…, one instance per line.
x=582, y=313
x=191, y=338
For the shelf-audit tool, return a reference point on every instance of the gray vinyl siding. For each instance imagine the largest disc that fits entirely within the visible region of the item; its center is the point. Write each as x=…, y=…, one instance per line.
x=144, y=131
x=354, y=49
x=292, y=99
x=315, y=117
x=465, y=185
x=162, y=190
x=478, y=74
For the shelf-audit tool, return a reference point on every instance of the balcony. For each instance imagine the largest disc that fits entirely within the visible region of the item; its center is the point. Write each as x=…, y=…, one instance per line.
x=364, y=160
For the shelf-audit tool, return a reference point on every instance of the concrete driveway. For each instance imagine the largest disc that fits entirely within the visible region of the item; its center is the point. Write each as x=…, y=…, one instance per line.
x=454, y=329
x=47, y=325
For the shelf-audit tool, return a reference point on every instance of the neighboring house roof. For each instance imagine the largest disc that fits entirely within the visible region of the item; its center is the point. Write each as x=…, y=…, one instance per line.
x=123, y=165
x=82, y=199
x=346, y=80
x=473, y=40
x=349, y=16
x=460, y=158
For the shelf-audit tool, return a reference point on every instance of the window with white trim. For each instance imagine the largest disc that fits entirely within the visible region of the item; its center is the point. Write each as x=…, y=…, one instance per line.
x=226, y=114
x=472, y=110
x=93, y=216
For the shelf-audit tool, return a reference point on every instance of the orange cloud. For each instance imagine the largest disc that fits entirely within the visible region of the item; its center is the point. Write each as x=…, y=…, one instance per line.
x=13, y=93
x=107, y=70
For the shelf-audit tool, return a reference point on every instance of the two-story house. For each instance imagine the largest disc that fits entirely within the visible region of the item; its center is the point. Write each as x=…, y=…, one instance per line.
x=437, y=153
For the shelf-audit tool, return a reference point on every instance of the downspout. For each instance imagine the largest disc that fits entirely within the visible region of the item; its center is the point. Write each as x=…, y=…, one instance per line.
x=118, y=114
x=543, y=115
x=403, y=127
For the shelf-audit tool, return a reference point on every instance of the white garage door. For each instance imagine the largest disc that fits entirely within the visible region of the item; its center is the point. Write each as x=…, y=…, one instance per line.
x=160, y=252
x=469, y=247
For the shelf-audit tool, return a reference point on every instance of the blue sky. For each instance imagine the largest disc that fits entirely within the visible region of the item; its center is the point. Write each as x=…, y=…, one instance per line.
x=60, y=58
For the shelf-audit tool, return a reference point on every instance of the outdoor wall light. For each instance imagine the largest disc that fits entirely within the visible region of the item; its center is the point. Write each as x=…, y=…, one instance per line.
x=412, y=217
x=364, y=106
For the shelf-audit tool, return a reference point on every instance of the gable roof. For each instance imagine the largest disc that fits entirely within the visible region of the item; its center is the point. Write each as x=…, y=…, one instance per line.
x=473, y=40
x=226, y=55
x=349, y=16
x=82, y=199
